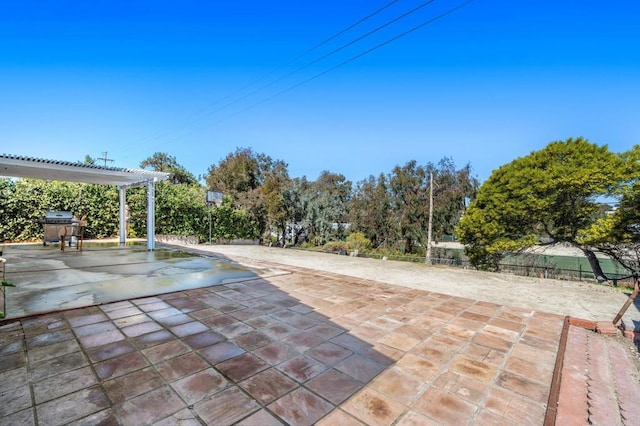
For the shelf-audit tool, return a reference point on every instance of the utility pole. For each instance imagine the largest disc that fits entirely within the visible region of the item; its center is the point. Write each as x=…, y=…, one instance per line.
x=104, y=158
x=429, y=231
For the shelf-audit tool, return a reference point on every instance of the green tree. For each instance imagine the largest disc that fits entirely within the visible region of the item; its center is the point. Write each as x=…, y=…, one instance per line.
x=326, y=212
x=230, y=223
x=240, y=175
x=371, y=211
x=162, y=162
x=297, y=198
x=274, y=190
x=549, y=196
x=617, y=233
x=453, y=190
x=397, y=207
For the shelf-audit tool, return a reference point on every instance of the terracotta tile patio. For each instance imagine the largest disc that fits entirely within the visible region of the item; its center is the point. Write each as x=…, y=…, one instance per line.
x=300, y=348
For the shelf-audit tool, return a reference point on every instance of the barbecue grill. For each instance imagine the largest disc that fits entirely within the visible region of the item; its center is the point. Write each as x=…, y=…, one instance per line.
x=54, y=225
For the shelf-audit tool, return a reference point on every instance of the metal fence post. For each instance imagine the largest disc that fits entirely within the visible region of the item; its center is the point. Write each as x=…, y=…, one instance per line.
x=579, y=271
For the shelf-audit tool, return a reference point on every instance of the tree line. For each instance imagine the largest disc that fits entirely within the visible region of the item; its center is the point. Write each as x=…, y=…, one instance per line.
x=554, y=195
x=386, y=209
x=261, y=201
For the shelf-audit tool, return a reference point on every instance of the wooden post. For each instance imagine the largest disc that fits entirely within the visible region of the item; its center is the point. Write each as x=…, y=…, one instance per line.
x=429, y=231
x=628, y=302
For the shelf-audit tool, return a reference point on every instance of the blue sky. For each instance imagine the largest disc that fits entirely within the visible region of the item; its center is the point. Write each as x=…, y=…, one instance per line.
x=484, y=85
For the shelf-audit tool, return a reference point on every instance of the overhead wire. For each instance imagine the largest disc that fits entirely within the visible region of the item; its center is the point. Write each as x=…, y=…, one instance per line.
x=331, y=53
x=333, y=37
x=315, y=61
x=358, y=56
x=341, y=64
x=206, y=113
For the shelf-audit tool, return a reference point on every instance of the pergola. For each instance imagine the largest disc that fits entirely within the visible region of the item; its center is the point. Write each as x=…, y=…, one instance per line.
x=38, y=168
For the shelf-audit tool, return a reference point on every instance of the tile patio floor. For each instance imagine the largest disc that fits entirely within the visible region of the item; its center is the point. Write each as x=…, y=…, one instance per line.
x=299, y=348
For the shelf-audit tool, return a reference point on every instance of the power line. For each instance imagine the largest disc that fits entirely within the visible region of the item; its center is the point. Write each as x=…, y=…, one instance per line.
x=325, y=56
x=350, y=43
x=353, y=58
x=205, y=113
x=336, y=35
x=358, y=56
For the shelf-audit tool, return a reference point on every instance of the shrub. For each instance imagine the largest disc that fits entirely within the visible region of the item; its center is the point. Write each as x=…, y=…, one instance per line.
x=338, y=247
x=357, y=241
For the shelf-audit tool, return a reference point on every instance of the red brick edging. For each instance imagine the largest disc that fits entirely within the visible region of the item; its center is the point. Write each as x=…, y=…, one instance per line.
x=554, y=393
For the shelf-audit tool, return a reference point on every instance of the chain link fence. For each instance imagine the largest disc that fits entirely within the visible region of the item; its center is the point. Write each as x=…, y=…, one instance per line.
x=531, y=265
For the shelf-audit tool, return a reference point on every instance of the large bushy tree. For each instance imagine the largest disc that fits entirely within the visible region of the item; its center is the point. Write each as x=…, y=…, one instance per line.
x=241, y=175
x=409, y=185
x=371, y=211
x=547, y=197
x=410, y=190
x=163, y=162
x=326, y=206
x=298, y=197
x=618, y=234
x=453, y=189
x=274, y=191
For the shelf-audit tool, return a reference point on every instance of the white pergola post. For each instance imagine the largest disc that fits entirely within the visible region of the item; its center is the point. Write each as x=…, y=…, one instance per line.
x=122, y=190
x=151, y=214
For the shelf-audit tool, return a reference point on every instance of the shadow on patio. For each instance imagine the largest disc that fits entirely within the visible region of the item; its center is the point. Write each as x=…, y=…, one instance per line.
x=288, y=346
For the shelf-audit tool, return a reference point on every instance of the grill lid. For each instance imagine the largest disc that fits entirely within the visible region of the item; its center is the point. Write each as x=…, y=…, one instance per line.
x=58, y=216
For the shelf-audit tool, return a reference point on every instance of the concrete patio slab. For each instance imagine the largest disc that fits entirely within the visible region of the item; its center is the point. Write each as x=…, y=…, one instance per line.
x=48, y=279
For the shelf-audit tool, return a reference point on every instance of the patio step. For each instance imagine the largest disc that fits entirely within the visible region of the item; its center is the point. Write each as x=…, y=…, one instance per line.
x=599, y=381
x=631, y=329
x=607, y=328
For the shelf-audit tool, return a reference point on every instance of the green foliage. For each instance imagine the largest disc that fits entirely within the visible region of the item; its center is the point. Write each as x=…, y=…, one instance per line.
x=357, y=241
x=162, y=162
x=241, y=176
x=549, y=196
x=336, y=247
x=371, y=213
x=274, y=189
x=180, y=210
x=618, y=233
x=101, y=206
x=6, y=283
x=409, y=190
x=24, y=203
x=230, y=223
x=238, y=173
x=397, y=207
x=326, y=205
x=297, y=198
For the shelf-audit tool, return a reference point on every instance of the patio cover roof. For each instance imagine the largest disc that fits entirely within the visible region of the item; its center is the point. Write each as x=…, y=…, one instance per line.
x=38, y=168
